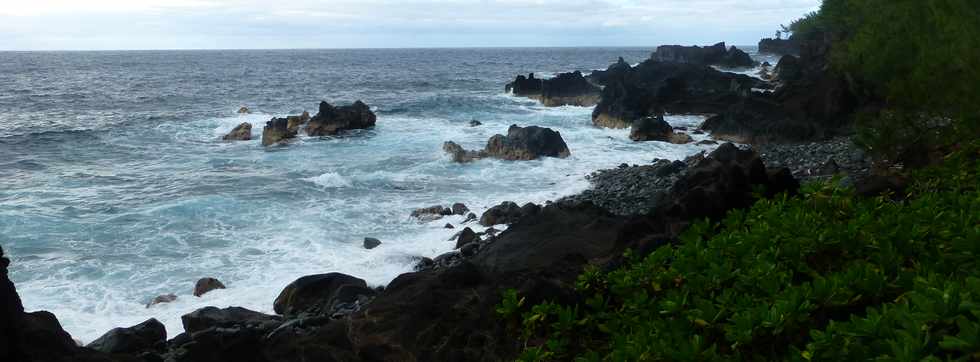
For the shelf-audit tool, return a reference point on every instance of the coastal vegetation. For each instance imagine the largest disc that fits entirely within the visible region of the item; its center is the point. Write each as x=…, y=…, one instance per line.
x=831, y=273
x=826, y=275
x=917, y=59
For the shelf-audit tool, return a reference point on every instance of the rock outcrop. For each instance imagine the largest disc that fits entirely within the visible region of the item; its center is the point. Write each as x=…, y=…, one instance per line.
x=566, y=89
x=160, y=299
x=520, y=143
x=205, y=285
x=716, y=54
x=811, y=102
x=37, y=336
x=656, y=129
x=332, y=120
x=779, y=46
x=242, y=132
x=654, y=88
x=276, y=132
x=322, y=294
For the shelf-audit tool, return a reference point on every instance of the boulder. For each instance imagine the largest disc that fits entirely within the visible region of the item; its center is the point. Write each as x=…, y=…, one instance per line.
x=205, y=285
x=651, y=129
x=230, y=334
x=465, y=237
x=716, y=54
x=505, y=213
x=315, y=294
x=242, y=132
x=520, y=143
x=475, y=123
x=244, y=110
x=789, y=69
x=332, y=120
x=460, y=209
x=448, y=226
x=277, y=131
x=653, y=88
x=656, y=129
x=231, y=317
x=371, y=243
x=146, y=336
x=164, y=298
x=527, y=143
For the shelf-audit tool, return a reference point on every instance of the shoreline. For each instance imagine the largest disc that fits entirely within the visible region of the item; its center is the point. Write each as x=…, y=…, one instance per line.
x=489, y=264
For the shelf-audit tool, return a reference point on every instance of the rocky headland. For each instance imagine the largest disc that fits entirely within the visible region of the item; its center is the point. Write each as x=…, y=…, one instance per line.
x=444, y=310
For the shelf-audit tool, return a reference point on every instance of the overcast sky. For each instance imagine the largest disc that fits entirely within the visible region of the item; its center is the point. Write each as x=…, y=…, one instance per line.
x=248, y=24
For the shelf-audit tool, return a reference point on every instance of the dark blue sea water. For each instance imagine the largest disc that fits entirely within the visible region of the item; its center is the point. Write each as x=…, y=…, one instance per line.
x=115, y=186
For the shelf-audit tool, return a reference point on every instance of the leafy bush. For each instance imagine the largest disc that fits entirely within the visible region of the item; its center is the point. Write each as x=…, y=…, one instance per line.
x=824, y=276
x=922, y=58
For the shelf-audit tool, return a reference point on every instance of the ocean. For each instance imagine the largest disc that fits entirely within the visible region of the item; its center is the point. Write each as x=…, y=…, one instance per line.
x=115, y=186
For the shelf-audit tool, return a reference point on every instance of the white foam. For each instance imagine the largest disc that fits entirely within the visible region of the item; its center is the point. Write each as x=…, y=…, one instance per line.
x=330, y=180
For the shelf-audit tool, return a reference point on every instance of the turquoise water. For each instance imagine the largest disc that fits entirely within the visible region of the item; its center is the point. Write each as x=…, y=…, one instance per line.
x=115, y=186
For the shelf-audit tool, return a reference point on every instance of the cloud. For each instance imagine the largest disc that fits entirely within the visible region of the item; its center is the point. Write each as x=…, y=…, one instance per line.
x=141, y=24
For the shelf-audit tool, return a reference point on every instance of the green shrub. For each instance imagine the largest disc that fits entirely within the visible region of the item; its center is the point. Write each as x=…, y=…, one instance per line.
x=823, y=276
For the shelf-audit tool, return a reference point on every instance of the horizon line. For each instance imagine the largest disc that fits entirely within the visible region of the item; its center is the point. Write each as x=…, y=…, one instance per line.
x=354, y=48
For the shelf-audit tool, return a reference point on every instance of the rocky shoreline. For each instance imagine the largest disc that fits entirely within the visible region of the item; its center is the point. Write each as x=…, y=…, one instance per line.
x=444, y=311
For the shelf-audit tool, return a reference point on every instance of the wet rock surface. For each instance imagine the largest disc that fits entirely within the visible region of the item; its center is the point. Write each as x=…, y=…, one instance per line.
x=332, y=120
x=520, y=144
x=205, y=285
x=149, y=335
x=565, y=89
x=242, y=132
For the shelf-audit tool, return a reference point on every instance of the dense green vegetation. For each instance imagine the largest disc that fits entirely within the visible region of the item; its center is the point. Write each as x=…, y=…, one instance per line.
x=920, y=57
x=826, y=275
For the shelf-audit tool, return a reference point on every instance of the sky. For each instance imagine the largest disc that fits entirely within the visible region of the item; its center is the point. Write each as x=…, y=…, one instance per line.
x=265, y=24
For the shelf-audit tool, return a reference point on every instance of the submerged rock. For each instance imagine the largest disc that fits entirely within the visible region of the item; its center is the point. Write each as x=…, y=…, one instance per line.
x=244, y=110
x=332, y=120
x=205, y=285
x=371, y=243
x=293, y=123
x=145, y=336
x=520, y=143
x=160, y=299
x=242, y=132
x=431, y=213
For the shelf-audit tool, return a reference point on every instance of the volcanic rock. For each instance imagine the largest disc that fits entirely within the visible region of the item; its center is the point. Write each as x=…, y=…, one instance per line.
x=242, y=132
x=332, y=120
x=205, y=285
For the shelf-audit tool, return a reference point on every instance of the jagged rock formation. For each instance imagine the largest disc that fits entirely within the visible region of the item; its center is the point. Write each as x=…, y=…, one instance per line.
x=716, y=54
x=654, y=88
x=566, y=89
x=520, y=143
